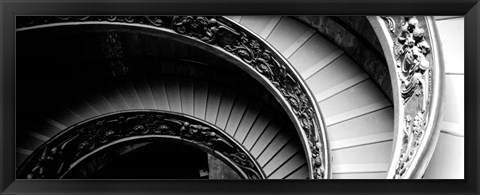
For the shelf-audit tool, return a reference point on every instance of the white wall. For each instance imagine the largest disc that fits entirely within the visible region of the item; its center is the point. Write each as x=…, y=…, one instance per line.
x=448, y=159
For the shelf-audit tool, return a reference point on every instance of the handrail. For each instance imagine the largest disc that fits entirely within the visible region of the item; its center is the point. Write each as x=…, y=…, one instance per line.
x=414, y=57
x=259, y=58
x=62, y=154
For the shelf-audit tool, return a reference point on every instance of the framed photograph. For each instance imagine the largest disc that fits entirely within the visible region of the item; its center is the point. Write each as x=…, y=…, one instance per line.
x=257, y=97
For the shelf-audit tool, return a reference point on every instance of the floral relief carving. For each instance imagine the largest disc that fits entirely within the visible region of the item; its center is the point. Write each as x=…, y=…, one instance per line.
x=54, y=159
x=217, y=31
x=262, y=60
x=411, y=53
x=411, y=50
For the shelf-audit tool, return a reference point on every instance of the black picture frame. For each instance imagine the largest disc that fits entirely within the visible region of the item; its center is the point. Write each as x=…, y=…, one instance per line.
x=9, y=9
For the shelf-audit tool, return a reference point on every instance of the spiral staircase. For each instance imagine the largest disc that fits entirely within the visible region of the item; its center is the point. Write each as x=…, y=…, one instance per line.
x=359, y=117
x=266, y=136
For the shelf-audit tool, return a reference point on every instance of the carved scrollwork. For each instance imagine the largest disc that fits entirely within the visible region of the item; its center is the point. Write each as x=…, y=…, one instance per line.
x=252, y=52
x=413, y=134
x=55, y=159
x=217, y=31
x=157, y=21
x=199, y=27
x=411, y=50
x=391, y=23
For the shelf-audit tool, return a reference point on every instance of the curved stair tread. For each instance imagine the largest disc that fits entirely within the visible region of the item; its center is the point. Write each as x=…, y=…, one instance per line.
x=200, y=99
x=236, y=115
x=358, y=116
x=187, y=95
x=316, y=49
x=213, y=103
x=300, y=173
x=225, y=108
x=129, y=93
x=173, y=94
x=290, y=166
x=267, y=136
x=258, y=128
x=364, y=154
x=159, y=94
x=281, y=157
x=287, y=33
x=274, y=146
x=143, y=89
x=334, y=73
x=355, y=101
x=377, y=122
x=246, y=120
x=261, y=25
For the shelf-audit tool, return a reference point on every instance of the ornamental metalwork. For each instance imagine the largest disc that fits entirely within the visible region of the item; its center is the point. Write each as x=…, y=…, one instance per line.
x=60, y=154
x=411, y=51
x=251, y=51
x=225, y=35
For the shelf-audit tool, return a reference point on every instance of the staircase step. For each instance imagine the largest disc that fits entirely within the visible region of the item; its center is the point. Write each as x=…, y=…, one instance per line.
x=115, y=98
x=201, y=95
x=145, y=94
x=289, y=33
x=236, y=115
x=267, y=135
x=378, y=122
x=225, y=108
x=259, y=24
x=173, y=93
x=213, y=103
x=360, y=168
x=313, y=51
x=341, y=87
x=337, y=72
x=251, y=114
x=300, y=173
x=365, y=154
x=356, y=112
x=312, y=70
x=130, y=95
x=261, y=123
x=274, y=146
x=187, y=95
x=359, y=141
x=364, y=95
x=289, y=167
x=159, y=94
x=282, y=156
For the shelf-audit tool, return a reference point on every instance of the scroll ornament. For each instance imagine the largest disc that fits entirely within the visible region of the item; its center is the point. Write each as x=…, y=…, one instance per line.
x=411, y=50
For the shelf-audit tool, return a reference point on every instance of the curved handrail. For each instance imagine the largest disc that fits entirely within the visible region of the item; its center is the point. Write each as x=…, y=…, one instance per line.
x=57, y=157
x=259, y=58
x=414, y=57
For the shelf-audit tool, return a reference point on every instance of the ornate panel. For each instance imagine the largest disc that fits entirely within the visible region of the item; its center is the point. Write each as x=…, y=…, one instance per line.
x=63, y=152
x=415, y=64
x=227, y=36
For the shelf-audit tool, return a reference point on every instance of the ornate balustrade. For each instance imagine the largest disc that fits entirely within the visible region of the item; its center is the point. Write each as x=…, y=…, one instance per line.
x=61, y=156
x=257, y=57
x=412, y=50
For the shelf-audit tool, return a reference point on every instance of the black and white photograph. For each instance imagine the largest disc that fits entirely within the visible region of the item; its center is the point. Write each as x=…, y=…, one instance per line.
x=239, y=97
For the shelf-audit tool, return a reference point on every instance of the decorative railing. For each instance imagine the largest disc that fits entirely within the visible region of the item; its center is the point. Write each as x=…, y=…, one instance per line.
x=413, y=54
x=63, y=153
x=259, y=58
